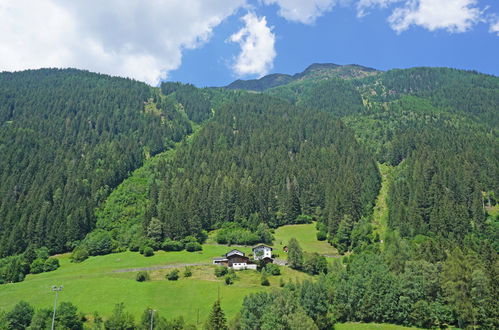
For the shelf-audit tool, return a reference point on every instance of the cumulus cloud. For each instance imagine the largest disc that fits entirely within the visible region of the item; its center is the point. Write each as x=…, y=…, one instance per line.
x=451, y=15
x=257, y=46
x=494, y=27
x=302, y=11
x=134, y=38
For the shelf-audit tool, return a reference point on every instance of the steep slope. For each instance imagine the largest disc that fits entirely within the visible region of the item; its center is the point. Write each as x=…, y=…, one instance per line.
x=67, y=138
x=257, y=161
x=438, y=120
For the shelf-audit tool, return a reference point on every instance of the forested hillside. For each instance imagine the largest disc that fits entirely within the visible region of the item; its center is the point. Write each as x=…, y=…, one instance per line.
x=438, y=128
x=258, y=163
x=100, y=164
x=67, y=138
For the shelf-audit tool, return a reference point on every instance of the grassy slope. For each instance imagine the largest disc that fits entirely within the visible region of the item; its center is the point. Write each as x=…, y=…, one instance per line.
x=380, y=214
x=93, y=286
x=306, y=236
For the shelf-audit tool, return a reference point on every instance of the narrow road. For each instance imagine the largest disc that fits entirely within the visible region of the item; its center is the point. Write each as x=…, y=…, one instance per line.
x=127, y=270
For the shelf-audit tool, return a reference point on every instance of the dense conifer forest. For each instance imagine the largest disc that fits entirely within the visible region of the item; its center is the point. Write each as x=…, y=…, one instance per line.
x=291, y=150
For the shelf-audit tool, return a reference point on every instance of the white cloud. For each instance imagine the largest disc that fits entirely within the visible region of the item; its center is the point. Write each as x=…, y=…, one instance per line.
x=494, y=27
x=257, y=46
x=364, y=5
x=302, y=11
x=451, y=15
x=134, y=38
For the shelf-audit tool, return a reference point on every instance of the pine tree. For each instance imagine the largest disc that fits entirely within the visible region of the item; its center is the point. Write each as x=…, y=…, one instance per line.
x=217, y=320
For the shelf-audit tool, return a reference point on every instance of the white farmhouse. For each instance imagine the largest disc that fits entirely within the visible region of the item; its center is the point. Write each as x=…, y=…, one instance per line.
x=261, y=252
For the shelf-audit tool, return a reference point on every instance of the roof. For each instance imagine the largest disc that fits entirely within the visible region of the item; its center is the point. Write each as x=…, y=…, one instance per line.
x=220, y=259
x=232, y=252
x=263, y=245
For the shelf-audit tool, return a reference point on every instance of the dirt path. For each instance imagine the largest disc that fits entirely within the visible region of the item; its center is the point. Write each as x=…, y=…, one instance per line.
x=127, y=270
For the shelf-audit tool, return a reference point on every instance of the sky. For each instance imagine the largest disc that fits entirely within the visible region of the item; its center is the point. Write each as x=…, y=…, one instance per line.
x=213, y=42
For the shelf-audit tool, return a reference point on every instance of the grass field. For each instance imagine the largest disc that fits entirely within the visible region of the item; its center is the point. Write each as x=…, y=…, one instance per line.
x=306, y=236
x=380, y=214
x=94, y=286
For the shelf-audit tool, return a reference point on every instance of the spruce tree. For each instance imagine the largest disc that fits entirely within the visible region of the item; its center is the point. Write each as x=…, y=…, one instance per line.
x=217, y=320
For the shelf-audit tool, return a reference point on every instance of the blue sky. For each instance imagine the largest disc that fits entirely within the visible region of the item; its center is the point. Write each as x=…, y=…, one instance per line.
x=342, y=38
x=213, y=42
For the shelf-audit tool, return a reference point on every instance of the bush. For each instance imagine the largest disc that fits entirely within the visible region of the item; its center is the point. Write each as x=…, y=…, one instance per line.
x=193, y=246
x=37, y=266
x=142, y=276
x=202, y=236
x=148, y=251
x=321, y=235
x=315, y=264
x=51, y=264
x=171, y=245
x=302, y=218
x=189, y=239
x=79, y=254
x=228, y=279
x=187, y=272
x=231, y=234
x=99, y=242
x=264, y=279
x=221, y=271
x=272, y=269
x=173, y=275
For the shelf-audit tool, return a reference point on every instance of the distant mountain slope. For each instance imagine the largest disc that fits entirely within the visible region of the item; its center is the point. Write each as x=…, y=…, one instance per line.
x=437, y=120
x=317, y=71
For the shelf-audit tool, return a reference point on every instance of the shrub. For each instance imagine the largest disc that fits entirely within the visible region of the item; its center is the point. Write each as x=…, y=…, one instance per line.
x=142, y=276
x=272, y=269
x=321, y=235
x=228, y=279
x=221, y=271
x=173, y=275
x=51, y=264
x=302, y=218
x=99, y=242
x=187, y=272
x=231, y=234
x=36, y=266
x=264, y=280
x=189, y=239
x=315, y=264
x=202, y=236
x=193, y=246
x=148, y=251
x=79, y=254
x=171, y=245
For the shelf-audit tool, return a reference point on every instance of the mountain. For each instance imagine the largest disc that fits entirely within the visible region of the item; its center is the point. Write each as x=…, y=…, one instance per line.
x=67, y=139
x=315, y=71
x=398, y=169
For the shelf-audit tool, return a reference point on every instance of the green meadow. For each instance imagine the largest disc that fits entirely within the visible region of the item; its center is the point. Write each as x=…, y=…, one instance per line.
x=306, y=236
x=94, y=285
x=98, y=283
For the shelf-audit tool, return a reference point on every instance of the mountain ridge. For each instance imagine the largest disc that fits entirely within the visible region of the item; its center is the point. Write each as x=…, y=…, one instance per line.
x=313, y=71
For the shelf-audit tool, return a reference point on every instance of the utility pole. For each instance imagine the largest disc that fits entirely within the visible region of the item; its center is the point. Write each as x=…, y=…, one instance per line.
x=56, y=289
x=152, y=317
